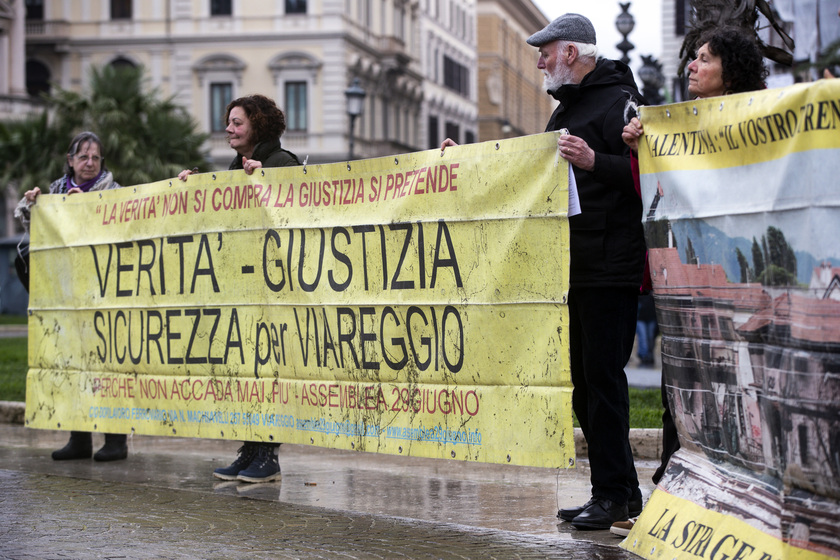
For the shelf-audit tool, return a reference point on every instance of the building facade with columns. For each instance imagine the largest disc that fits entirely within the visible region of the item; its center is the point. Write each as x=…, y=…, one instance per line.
x=302, y=53
x=430, y=68
x=14, y=100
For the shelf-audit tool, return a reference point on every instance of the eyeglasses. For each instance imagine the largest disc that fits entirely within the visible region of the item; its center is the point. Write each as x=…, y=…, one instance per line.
x=84, y=158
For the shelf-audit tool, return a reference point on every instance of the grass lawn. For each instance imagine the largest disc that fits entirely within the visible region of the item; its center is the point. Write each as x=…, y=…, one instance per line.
x=13, y=369
x=645, y=404
x=645, y=408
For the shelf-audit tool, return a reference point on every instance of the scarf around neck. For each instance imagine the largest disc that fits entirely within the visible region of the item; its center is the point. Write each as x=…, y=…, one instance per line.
x=85, y=187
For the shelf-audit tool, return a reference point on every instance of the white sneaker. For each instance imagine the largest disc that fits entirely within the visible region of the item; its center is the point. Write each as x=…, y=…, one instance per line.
x=622, y=528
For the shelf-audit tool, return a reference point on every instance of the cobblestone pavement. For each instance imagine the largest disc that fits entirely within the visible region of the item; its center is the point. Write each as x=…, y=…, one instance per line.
x=162, y=503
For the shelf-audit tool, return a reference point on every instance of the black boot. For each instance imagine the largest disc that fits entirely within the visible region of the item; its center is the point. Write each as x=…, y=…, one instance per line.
x=79, y=447
x=114, y=449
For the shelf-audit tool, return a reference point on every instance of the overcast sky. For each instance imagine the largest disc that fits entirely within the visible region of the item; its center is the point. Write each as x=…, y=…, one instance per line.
x=646, y=36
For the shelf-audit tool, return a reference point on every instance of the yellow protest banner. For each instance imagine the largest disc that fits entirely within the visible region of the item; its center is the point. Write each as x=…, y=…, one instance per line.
x=412, y=305
x=741, y=212
x=740, y=130
x=675, y=527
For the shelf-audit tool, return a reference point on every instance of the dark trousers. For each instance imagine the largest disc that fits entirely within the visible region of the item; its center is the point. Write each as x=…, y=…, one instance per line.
x=602, y=326
x=264, y=443
x=670, y=439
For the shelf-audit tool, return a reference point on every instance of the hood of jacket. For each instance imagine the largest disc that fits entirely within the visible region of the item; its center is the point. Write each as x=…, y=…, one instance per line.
x=607, y=73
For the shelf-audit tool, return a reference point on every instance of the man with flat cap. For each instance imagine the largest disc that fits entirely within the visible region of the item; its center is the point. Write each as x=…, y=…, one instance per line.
x=607, y=257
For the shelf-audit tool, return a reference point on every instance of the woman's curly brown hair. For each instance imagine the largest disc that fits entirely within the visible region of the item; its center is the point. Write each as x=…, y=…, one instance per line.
x=741, y=61
x=268, y=122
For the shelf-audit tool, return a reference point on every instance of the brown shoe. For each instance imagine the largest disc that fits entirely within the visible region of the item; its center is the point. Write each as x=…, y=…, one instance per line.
x=622, y=528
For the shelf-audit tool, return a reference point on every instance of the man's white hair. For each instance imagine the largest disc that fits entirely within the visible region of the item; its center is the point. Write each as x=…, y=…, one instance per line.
x=586, y=51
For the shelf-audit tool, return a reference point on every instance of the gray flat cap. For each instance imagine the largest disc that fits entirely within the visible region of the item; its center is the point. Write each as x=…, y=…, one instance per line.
x=568, y=27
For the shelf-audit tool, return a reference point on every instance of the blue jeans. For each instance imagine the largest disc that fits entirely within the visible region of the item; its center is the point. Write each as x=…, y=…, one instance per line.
x=645, y=336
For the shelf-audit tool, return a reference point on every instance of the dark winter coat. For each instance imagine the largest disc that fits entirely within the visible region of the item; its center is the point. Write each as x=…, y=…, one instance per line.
x=270, y=154
x=607, y=240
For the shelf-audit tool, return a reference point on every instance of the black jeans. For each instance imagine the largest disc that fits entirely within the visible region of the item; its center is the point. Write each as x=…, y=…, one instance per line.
x=602, y=326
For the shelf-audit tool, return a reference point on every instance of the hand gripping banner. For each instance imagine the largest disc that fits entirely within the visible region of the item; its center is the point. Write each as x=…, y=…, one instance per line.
x=742, y=208
x=408, y=305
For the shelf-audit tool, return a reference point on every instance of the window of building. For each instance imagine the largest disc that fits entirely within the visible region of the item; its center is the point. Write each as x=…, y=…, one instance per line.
x=37, y=78
x=120, y=9
x=295, y=6
x=453, y=131
x=219, y=74
x=370, y=112
x=221, y=7
x=295, y=74
x=382, y=19
x=34, y=10
x=434, y=138
x=386, y=119
x=221, y=93
x=469, y=137
x=122, y=62
x=399, y=22
x=682, y=15
x=456, y=76
x=802, y=430
x=296, y=107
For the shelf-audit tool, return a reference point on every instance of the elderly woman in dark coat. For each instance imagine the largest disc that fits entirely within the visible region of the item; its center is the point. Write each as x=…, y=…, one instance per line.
x=84, y=171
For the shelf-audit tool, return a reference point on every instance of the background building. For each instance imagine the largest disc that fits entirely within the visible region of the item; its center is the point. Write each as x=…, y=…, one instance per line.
x=447, y=49
x=511, y=98
x=14, y=101
x=303, y=53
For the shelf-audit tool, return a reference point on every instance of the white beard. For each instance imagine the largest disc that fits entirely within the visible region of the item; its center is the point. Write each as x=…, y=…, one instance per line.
x=561, y=77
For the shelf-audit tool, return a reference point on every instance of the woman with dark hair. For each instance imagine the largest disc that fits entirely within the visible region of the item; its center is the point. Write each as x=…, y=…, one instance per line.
x=254, y=126
x=728, y=61
x=84, y=171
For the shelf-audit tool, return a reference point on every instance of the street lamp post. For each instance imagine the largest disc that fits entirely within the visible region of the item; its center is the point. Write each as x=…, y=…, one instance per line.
x=651, y=75
x=355, y=95
x=625, y=24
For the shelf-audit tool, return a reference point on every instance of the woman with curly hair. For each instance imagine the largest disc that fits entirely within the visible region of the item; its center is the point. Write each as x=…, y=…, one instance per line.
x=254, y=126
x=728, y=61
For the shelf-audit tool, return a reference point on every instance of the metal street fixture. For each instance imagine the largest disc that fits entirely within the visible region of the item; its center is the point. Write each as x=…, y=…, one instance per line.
x=625, y=24
x=651, y=75
x=355, y=95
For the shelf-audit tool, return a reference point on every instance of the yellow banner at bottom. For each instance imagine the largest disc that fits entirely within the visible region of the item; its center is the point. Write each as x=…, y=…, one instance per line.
x=672, y=528
x=427, y=420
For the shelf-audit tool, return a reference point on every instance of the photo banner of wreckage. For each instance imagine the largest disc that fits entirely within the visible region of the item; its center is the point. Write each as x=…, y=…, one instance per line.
x=742, y=207
x=412, y=305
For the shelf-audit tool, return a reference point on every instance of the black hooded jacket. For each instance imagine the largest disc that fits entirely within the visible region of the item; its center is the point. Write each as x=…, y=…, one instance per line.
x=270, y=154
x=607, y=239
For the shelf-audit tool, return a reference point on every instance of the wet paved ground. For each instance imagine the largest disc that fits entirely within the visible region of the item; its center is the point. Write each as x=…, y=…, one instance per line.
x=162, y=502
